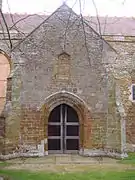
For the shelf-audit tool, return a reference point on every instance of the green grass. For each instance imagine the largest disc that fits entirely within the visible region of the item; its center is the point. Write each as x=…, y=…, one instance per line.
x=95, y=175
x=129, y=160
x=3, y=164
x=101, y=174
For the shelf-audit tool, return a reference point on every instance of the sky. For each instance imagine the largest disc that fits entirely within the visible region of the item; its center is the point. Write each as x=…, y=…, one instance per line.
x=104, y=7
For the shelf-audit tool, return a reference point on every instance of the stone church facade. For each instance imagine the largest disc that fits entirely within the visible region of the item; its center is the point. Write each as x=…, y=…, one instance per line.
x=69, y=90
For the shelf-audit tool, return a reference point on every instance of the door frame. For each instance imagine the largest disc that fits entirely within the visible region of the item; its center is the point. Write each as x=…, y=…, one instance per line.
x=82, y=109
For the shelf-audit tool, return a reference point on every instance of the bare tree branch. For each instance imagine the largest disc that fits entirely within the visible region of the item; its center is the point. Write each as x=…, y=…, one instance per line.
x=85, y=38
x=3, y=33
x=12, y=19
x=67, y=26
x=4, y=20
x=105, y=25
x=99, y=25
x=29, y=15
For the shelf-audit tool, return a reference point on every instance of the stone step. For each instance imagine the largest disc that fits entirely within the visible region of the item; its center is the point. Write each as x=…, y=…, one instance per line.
x=74, y=159
x=62, y=159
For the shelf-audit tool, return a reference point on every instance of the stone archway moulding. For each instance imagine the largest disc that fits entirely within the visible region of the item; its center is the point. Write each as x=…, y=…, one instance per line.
x=80, y=107
x=55, y=99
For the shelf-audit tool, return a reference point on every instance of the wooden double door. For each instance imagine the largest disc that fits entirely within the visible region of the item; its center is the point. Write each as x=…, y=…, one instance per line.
x=63, y=130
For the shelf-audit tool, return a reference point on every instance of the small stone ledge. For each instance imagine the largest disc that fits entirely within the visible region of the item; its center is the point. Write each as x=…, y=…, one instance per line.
x=27, y=151
x=102, y=153
x=18, y=155
x=130, y=147
x=25, y=155
x=85, y=152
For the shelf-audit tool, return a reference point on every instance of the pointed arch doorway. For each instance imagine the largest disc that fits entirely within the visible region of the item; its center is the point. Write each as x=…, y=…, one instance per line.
x=63, y=130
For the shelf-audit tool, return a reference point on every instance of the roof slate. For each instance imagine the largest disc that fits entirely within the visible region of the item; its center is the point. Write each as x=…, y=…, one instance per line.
x=109, y=25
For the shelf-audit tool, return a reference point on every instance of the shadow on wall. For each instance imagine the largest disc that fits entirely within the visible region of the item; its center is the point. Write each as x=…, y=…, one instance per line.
x=4, y=73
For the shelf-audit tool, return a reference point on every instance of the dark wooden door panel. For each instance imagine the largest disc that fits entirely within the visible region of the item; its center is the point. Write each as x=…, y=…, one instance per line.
x=54, y=144
x=63, y=130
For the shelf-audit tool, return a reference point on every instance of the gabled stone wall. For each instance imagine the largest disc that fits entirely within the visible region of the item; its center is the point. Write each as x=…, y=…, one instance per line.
x=59, y=57
x=38, y=75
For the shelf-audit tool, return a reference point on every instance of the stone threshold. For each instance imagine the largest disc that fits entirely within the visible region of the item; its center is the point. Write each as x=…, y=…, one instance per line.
x=85, y=153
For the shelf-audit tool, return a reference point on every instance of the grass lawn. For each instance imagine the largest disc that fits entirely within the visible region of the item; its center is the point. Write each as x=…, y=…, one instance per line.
x=89, y=174
x=94, y=175
x=129, y=160
x=3, y=164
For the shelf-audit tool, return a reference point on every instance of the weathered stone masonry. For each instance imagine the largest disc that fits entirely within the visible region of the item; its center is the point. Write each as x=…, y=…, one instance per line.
x=124, y=74
x=53, y=66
